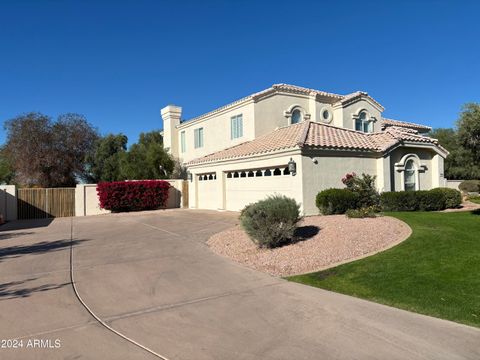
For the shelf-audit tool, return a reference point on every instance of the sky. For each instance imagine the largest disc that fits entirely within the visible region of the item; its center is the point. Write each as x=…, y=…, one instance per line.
x=119, y=62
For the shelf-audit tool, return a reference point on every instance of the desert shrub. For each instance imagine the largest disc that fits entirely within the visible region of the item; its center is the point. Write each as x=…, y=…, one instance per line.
x=364, y=212
x=271, y=222
x=336, y=201
x=430, y=200
x=470, y=186
x=364, y=186
x=399, y=201
x=133, y=195
x=453, y=198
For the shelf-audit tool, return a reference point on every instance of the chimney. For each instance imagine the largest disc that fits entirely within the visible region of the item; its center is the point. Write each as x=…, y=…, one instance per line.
x=171, y=115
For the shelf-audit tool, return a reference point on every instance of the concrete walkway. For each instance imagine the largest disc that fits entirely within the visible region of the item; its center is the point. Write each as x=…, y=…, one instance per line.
x=151, y=276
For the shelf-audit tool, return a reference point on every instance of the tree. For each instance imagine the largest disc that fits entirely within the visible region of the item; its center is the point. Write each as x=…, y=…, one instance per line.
x=469, y=130
x=6, y=172
x=46, y=153
x=103, y=162
x=147, y=159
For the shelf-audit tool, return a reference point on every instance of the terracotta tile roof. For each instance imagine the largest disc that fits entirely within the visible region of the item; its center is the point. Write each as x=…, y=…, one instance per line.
x=391, y=122
x=316, y=135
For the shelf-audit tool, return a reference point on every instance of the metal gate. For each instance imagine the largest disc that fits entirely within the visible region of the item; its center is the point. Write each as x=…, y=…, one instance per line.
x=45, y=203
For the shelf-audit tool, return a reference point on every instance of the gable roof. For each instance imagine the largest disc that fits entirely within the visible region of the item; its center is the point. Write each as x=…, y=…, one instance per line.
x=391, y=122
x=328, y=97
x=310, y=134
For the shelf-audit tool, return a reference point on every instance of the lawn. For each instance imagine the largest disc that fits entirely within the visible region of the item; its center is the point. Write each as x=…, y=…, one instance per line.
x=436, y=271
x=475, y=199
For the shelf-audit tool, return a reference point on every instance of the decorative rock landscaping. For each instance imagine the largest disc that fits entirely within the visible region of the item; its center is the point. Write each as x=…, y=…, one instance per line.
x=325, y=241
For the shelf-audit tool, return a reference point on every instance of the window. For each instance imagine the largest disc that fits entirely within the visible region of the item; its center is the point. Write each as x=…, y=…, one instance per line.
x=182, y=142
x=236, y=126
x=296, y=116
x=198, y=134
x=362, y=123
x=410, y=175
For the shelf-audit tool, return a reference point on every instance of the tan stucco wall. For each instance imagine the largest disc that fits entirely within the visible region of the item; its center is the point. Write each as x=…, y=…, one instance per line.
x=87, y=203
x=328, y=171
x=216, y=132
x=8, y=202
x=428, y=179
x=343, y=116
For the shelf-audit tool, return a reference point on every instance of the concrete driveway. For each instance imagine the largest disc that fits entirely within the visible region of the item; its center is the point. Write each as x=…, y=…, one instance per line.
x=151, y=277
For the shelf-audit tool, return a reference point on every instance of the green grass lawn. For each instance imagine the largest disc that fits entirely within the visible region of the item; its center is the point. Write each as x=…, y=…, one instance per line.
x=436, y=271
x=475, y=199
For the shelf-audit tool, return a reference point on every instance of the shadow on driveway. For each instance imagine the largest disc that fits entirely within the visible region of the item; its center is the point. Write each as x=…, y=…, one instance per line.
x=13, y=289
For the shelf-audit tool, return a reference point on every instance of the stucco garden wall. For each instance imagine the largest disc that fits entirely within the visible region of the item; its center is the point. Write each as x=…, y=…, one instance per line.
x=8, y=202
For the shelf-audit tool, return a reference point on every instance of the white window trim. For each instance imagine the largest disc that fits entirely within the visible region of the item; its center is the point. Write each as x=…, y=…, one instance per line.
x=233, y=120
x=419, y=168
x=183, y=142
x=201, y=141
x=369, y=118
x=329, y=119
x=288, y=113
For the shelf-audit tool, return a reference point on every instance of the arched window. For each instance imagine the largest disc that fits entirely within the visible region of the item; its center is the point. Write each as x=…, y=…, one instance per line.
x=362, y=123
x=296, y=116
x=410, y=175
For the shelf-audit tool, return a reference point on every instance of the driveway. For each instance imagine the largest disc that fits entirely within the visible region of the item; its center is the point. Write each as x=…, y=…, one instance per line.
x=151, y=277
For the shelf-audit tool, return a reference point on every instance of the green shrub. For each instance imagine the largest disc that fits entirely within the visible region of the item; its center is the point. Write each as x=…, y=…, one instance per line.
x=271, y=222
x=364, y=212
x=336, y=201
x=364, y=186
x=430, y=200
x=470, y=186
x=453, y=198
x=399, y=201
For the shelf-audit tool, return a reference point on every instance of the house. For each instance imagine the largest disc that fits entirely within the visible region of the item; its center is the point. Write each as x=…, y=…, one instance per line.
x=297, y=141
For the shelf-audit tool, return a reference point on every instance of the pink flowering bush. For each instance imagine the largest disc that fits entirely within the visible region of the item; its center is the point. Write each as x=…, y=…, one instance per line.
x=120, y=196
x=364, y=186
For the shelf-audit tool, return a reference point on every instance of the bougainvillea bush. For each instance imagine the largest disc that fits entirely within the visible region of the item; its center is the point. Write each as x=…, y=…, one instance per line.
x=120, y=196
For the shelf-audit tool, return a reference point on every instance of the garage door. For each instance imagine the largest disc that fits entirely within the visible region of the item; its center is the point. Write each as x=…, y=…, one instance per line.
x=207, y=191
x=247, y=186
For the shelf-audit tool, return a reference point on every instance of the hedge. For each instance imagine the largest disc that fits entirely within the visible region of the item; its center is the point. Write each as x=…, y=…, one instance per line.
x=120, y=196
x=271, y=222
x=423, y=200
x=336, y=201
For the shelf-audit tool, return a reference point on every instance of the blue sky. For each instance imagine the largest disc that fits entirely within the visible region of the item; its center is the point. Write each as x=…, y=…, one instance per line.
x=119, y=62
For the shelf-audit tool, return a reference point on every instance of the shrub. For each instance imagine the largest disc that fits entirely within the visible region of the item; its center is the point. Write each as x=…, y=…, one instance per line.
x=336, y=201
x=453, y=198
x=430, y=200
x=364, y=186
x=271, y=222
x=470, y=186
x=399, y=201
x=133, y=195
x=364, y=212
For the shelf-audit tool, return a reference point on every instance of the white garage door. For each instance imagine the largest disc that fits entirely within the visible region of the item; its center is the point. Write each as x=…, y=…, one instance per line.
x=207, y=191
x=248, y=186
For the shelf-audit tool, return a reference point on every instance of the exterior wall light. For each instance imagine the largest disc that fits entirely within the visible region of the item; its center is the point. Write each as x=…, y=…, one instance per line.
x=292, y=167
x=189, y=176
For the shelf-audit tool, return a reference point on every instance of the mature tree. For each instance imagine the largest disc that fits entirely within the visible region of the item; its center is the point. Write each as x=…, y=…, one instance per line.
x=47, y=153
x=103, y=162
x=147, y=159
x=6, y=172
x=469, y=129
x=463, y=162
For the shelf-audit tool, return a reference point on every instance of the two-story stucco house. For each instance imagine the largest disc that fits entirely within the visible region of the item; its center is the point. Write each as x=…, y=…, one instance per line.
x=296, y=141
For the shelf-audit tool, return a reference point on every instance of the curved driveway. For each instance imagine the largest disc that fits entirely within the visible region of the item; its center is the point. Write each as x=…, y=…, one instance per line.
x=150, y=276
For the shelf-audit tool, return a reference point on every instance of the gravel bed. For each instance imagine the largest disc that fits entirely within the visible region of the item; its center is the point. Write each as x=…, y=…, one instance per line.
x=329, y=241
